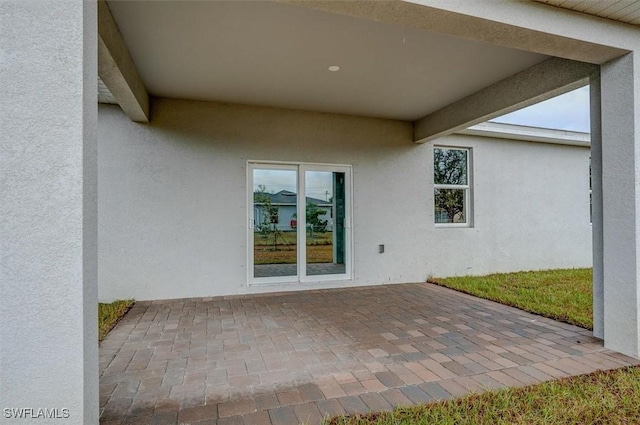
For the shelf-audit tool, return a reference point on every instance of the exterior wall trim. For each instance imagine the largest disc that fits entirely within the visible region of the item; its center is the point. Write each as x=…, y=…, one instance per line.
x=528, y=134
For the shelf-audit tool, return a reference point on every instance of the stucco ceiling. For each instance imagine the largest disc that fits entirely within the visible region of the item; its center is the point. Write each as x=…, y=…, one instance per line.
x=272, y=54
x=627, y=11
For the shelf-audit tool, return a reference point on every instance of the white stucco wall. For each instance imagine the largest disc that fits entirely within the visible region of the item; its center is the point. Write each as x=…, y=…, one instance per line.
x=48, y=213
x=172, y=199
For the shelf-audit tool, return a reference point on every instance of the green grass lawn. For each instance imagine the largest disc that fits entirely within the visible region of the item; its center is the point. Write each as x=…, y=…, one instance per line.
x=109, y=314
x=564, y=295
x=598, y=398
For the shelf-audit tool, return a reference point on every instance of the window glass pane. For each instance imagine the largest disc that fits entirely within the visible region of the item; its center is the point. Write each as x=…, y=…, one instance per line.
x=450, y=166
x=275, y=201
x=450, y=205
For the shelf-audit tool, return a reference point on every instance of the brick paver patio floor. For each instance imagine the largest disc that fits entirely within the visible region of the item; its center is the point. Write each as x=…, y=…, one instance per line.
x=293, y=358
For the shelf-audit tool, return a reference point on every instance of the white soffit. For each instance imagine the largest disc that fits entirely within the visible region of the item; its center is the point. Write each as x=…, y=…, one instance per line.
x=271, y=54
x=627, y=11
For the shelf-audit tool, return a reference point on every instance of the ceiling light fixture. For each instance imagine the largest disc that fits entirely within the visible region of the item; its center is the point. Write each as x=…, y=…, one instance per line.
x=334, y=68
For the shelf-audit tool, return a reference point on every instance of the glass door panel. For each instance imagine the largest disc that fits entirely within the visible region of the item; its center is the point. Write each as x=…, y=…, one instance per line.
x=325, y=213
x=275, y=208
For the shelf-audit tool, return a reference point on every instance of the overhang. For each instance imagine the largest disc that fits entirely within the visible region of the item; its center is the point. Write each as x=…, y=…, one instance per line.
x=405, y=60
x=627, y=11
x=279, y=55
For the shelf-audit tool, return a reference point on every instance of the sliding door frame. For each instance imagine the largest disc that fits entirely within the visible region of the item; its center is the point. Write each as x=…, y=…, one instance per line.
x=301, y=248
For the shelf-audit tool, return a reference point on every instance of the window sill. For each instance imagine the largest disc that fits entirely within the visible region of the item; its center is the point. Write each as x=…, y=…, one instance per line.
x=453, y=225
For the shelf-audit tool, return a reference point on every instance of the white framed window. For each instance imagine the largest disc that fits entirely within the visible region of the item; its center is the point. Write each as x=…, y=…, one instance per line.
x=452, y=186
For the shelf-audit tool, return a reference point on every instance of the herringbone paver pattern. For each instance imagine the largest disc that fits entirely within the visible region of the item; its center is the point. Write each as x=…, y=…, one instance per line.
x=295, y=357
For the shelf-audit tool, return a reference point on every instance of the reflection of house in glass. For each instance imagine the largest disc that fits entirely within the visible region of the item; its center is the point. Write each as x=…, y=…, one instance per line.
x=286, y=202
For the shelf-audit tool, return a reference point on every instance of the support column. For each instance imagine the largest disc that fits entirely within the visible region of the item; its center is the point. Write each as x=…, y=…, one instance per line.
x=48, y=213
x=596, y=206
x=620, y=95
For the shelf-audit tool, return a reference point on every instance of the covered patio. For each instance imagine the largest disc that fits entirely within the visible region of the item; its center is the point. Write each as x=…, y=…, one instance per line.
x=296, y=357
x=153, y=201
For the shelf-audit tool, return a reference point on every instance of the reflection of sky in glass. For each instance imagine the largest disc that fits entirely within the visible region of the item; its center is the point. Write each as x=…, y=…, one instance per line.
x=319, y=184
x=275, y=180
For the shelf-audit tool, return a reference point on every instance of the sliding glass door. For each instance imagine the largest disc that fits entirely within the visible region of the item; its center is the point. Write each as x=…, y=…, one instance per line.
x=299, y=238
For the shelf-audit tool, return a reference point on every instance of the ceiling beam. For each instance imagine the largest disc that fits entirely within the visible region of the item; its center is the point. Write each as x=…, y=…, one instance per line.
x=434, y=16
x=117, y=70
x=550, y=78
